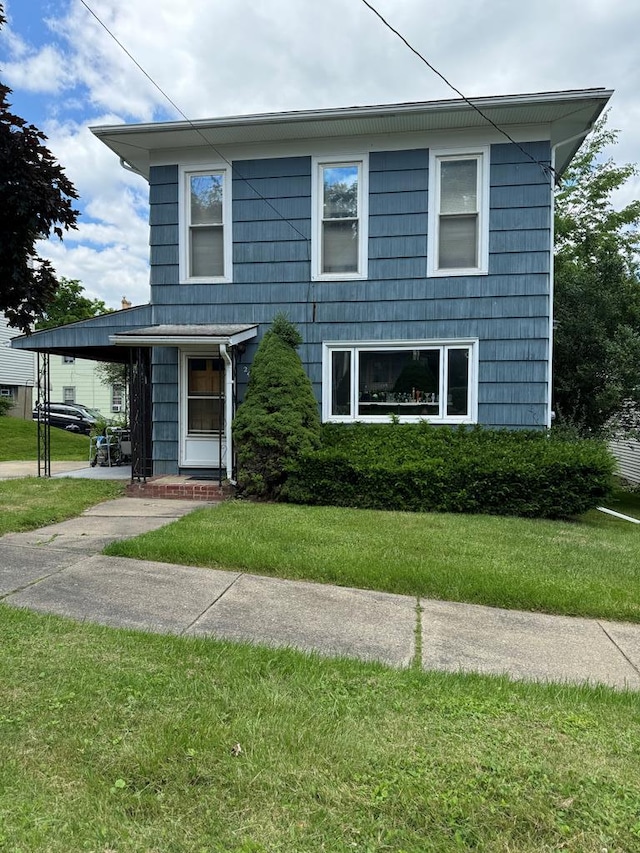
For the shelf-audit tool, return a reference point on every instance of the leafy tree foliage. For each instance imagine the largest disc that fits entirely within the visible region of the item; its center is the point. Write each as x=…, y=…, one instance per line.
x=35, y=200
x=597, y=290
x=69, y=304
x=278, y=419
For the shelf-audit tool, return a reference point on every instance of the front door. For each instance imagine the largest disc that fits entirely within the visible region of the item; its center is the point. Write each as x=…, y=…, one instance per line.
x=202, y=408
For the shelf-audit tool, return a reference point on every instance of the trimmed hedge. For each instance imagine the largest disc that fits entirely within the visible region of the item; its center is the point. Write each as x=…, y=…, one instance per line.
x=422, y=468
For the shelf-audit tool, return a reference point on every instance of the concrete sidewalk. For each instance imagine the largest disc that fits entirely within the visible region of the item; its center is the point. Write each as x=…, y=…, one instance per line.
x=58, y=569
x=14, y=470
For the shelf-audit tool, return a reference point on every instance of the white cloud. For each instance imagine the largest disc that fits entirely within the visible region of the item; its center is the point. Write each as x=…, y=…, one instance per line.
x=242, y=56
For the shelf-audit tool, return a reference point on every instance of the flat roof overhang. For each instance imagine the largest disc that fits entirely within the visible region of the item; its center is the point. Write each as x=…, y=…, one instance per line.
x=185, y=335
x=564, y=115
x=88, y=339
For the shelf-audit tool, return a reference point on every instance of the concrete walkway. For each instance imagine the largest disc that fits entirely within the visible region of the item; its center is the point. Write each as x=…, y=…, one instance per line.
x=58, y=569
x=13, y=470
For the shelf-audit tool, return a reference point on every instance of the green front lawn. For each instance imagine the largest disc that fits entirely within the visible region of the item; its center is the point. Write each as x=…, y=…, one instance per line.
x=118, y=741
x=30, y=502
x=588, y=567
x=19, y=442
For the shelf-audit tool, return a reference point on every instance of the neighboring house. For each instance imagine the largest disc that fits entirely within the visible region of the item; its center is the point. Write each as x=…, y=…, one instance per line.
x=75, y=380
x=410, y=243
x=17, y=373
x=627, y=455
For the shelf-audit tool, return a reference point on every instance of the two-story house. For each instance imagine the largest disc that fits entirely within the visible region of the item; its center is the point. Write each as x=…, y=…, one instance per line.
x=412, y=244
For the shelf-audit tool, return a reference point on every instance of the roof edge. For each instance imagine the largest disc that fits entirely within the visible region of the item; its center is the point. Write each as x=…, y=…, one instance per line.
x=373, y=111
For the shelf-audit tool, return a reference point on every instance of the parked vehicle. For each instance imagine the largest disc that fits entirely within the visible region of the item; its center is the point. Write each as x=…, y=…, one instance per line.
x=70, y=416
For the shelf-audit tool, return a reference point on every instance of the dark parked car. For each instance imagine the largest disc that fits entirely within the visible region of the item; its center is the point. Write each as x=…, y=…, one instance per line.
x=70, y=416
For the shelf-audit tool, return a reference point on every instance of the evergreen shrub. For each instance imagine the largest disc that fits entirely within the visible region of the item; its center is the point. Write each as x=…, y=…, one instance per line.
x=5, y=404
x=278, y=419
x=424, y=468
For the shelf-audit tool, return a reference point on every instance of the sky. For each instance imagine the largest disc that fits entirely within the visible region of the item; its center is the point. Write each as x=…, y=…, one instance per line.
x=228, y=57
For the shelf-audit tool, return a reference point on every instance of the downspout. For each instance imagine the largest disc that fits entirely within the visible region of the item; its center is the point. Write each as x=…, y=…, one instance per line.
x=129, y=168
x=228, y=408
x=554, y=148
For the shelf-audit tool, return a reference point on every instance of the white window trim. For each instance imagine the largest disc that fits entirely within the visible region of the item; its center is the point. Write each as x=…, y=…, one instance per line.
x=317, y=199
x=354, y=347
x=436, y=156
x=184, y=218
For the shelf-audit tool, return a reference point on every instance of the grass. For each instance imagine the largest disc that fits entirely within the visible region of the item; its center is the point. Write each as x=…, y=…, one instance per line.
x=19, y=442
x=118, y=741
x=588, y=567
x=30, y=502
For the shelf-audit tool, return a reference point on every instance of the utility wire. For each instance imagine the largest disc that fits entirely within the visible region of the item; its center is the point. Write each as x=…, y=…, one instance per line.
x=547, y=169
x=194, y=126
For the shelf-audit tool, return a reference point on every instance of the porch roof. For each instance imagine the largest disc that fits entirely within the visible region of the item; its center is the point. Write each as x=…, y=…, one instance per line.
x=178, y=335
x=89, y=339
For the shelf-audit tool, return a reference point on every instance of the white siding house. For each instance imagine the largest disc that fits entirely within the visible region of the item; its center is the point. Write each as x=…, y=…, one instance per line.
x=17, y=373
x=74, y=380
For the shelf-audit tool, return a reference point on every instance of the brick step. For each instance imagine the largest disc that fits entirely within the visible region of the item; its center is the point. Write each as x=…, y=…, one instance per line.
x=176, y=488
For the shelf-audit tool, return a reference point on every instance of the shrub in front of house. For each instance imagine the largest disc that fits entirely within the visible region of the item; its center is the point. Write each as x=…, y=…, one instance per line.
x=278, y=419
x=423, y=468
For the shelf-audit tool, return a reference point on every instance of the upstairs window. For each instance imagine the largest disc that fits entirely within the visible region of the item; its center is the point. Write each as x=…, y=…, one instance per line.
x=458, y=214
x=340, y=227
x=206, y=246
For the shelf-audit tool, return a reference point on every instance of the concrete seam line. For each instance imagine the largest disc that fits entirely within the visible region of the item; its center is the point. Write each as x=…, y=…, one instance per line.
x=212, y=603
x=620, y=649
x=7, y=595
x=416, y=662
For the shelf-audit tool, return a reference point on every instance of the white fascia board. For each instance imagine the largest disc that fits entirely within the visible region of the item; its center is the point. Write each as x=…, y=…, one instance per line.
x=183, y=340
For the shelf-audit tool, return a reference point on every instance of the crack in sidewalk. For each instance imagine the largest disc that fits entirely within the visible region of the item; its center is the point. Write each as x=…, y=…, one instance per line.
x=633, y=666
x=212, y=604
x=416, y=662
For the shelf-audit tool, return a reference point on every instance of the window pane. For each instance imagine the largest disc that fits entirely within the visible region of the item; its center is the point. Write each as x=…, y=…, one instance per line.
x=206, y=376
x=458, y=390
x=341, y=383
x=207, y=253
x=206, y=199
x=458, y=244
x=340, y=192
x=340, y=246
x=458, y=186
x=205, y=416
x=405, y=382
x=69, y=395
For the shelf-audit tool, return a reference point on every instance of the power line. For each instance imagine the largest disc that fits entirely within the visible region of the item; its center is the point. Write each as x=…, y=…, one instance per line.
x=547, y=169
x=194, y=126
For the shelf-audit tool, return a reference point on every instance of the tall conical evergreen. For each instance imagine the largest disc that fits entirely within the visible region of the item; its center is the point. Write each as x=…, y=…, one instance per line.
x=279, y=417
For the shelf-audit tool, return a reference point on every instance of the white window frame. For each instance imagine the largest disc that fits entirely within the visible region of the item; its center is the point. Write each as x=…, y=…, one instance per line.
x=72, y=389
x=436, y=157
x=68, y=359
x=317, y=202
x=184, y=207
x=443, y=345
x=117, y=398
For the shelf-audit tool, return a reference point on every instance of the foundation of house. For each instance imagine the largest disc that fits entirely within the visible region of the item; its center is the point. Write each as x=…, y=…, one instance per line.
x=176, y=486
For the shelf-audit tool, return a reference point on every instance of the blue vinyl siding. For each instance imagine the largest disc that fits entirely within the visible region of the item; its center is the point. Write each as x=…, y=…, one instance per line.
x=507, y=310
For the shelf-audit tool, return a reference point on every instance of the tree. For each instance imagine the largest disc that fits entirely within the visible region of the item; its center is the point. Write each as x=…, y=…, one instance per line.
x=278, y=419
x=35, y=201
x=597, y=291
x=68, y=305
